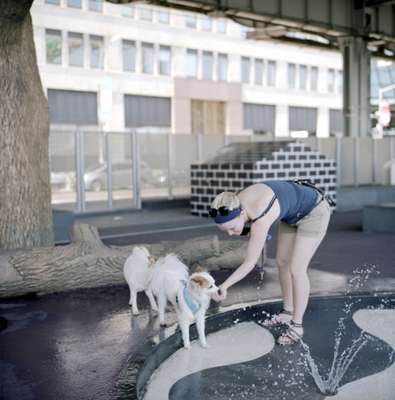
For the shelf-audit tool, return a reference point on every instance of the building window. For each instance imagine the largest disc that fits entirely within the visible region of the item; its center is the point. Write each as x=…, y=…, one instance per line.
x=164, y=16
x=222, y=67
x=192, y=63
x=302, y=119
x=291, y=76
x=75, y=43
x=148, y=58
x=331, y=80
x=96, y=51
x=302, y=77
x=53, y=39
x=208, y=65
x=314, y=79
x=206, y=23
x=145, y=14
x=129, y=55
x=245, y=69
x=72, y=107
x=221, y=25
x=53, y=2
x=190, y=21
x=147, y=111
x=74, y=3
x=259, y=118
x=95, y=5
x=127, y=11
x=258, y=75
x=271, y=73
x=164, y=60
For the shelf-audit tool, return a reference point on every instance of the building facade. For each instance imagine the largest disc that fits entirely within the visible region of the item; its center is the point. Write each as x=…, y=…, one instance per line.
x=138, y=67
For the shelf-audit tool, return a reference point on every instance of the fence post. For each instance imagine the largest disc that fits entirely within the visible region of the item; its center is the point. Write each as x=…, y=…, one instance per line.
x=136, y=170
x=199, y=147
x=356, y=160
x=338, y=161
x=79, y=170
x=109, y=170
x=374, y=160
x=170, y=156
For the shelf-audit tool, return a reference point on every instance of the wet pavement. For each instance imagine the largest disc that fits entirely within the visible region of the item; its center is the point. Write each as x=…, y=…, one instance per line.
x=76, y=345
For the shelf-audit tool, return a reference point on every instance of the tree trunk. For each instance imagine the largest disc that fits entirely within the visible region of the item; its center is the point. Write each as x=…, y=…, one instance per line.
x=25, y=194
x=85, y=263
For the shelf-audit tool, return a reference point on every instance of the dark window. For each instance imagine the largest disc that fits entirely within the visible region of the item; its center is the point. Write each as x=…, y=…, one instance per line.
x=147, y=111
x=259, y=117
x=303, y=119
x=72, y=107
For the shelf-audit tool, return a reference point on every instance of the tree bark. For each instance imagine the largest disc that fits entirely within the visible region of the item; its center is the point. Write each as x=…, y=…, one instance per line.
x=25, y=194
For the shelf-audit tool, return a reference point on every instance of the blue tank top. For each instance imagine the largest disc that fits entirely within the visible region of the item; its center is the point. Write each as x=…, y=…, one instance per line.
x=295, y=200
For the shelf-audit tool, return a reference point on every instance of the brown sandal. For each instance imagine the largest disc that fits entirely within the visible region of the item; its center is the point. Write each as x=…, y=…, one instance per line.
x=282, y=318
x=293, y=334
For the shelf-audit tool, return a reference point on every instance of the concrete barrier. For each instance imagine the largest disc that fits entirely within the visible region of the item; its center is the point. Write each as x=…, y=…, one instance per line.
x=379, y=218
x=356, y=198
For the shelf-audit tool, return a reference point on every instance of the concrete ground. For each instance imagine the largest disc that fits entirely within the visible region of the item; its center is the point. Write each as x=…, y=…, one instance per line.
x=75, y=345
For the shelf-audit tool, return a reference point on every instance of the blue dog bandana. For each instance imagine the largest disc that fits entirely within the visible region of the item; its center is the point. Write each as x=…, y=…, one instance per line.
x=190, y=303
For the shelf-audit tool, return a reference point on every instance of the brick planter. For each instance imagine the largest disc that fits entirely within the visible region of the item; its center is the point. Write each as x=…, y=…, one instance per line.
x=241, y=164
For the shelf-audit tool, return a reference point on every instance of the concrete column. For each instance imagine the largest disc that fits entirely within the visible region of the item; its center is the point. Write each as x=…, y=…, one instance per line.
x=282, y=75
x=356, y=87
x=178, y=62
x=118, y=113
x=40, y=44
x=114, y=59
x=181, y=115
x=282, y=120
x=323, y=122
x=234, y=68
x=234, y=117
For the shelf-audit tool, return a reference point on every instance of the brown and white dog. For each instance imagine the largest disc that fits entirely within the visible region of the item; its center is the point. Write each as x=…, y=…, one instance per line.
x=189, y=295
x=138, y=271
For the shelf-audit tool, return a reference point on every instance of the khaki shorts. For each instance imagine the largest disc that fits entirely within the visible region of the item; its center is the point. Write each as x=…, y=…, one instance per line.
x=313, y=224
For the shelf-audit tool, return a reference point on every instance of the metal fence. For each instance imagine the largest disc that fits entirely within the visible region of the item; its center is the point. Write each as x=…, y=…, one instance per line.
x=94, y=171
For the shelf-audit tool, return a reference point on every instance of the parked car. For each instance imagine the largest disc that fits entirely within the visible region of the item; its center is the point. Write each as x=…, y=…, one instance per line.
x=62, y=181
x=95, y=178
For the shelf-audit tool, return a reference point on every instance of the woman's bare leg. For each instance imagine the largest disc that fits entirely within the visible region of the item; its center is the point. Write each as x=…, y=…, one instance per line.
x=303, y=251
x=285, y=245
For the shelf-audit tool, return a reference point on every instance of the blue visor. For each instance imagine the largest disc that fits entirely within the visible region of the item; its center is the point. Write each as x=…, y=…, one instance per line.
x=221, y=219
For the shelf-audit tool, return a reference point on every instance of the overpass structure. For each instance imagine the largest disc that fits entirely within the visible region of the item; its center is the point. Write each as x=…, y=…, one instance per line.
x=357, y=28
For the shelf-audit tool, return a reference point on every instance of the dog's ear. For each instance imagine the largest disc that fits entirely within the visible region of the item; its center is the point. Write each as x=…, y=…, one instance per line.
x=199, y=268
x=200, y=281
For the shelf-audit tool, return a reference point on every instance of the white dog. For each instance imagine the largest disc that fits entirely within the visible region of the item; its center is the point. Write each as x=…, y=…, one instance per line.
x=189, y=295
x=138, y=270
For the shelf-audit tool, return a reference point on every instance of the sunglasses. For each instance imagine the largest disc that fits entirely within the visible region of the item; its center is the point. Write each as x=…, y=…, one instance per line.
x=213, y=212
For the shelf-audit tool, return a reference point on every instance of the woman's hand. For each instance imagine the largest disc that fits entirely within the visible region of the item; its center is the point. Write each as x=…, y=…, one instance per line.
x=221, y=294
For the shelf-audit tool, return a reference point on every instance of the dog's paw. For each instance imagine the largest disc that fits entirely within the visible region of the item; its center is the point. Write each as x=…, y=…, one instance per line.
x=205, y=345
x=136, y=312
x=187, y=346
